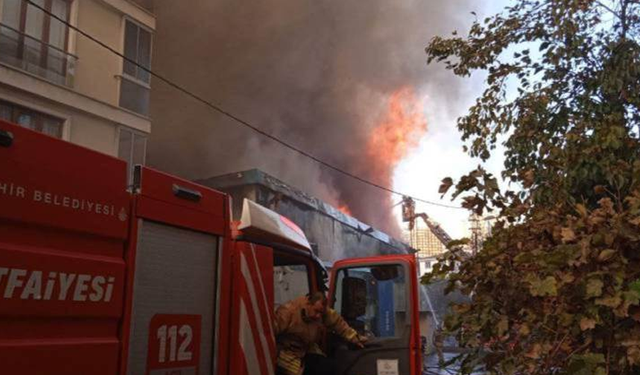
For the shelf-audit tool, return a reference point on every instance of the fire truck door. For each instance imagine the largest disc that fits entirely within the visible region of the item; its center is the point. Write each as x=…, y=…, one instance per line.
x=378, y=298
x=253, y=343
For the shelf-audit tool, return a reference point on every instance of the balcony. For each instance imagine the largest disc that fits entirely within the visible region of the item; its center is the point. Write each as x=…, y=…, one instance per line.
x=24, y=52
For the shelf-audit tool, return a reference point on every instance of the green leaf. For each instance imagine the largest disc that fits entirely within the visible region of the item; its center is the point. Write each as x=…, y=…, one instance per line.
x=566, y=319
x=590, y=358
x=606, y=254
x=609, y=301
x=541, y=288
x=632, y=297
x=594, y=288
x=635, y=286
x=457, y=243
x=585, y=364
x=503, y=325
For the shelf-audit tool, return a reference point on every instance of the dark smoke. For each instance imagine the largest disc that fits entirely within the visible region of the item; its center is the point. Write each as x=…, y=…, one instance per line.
x=315, y=73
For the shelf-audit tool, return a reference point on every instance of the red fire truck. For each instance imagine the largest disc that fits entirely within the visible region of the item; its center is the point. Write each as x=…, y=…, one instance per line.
x=98, y=277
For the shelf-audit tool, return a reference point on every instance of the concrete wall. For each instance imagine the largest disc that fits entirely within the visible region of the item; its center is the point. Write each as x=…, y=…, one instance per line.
x=89, y=107
x=98, y=69
x=94, y=133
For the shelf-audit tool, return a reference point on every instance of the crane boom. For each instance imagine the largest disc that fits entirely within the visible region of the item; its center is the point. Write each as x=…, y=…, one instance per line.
x=409, y=215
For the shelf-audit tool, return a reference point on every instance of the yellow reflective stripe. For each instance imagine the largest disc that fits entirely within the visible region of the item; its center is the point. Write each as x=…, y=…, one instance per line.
x=290, y=363
x=350, y=335
x=331, y=317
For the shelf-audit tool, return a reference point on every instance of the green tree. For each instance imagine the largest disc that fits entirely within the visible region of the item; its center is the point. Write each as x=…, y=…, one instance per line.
x=556, y=288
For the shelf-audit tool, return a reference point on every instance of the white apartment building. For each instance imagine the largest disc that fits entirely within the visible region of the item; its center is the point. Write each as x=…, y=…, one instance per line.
x=56, y=81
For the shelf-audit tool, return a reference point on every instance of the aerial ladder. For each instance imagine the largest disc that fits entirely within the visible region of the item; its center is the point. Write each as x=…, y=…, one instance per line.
x=409, y=215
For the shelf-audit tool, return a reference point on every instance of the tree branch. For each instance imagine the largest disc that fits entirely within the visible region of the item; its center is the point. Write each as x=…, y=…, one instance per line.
x=608, y=8
x=623, y=19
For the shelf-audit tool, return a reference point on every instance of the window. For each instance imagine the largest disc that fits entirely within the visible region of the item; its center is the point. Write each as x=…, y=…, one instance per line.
x=134, y=86
x=132, y=148
x=425, y=266
x=373, y=300
x=289, y=282
x=33, y=41
x=31, y=119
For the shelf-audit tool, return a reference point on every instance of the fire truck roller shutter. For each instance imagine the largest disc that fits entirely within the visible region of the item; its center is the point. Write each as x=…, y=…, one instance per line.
x=173, y=301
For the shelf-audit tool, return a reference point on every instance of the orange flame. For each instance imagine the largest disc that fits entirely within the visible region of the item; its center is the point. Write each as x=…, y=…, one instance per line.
x=399, y=132
x=345, y=209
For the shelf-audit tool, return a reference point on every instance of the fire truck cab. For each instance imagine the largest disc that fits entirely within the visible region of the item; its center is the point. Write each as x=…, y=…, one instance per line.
x=103, y=276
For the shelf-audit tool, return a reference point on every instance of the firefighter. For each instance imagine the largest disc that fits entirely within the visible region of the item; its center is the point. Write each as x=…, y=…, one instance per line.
x=299, y=326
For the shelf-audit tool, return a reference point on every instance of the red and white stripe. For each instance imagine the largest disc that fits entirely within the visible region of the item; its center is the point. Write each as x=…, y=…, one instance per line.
x=270, y=313
x=247, y=343
x=256, y=334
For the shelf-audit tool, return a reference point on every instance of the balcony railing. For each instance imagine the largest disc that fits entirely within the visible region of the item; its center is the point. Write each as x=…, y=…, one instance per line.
x=32, y=55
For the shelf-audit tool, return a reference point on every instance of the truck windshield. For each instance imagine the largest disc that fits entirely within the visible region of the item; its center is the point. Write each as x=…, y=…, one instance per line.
x=372, y=300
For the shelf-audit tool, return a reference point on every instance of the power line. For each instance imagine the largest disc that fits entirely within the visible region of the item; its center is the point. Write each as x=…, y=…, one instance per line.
x=230, y=115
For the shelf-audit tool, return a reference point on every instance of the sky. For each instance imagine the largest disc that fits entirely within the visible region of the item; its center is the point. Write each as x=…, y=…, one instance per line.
x=440, y=153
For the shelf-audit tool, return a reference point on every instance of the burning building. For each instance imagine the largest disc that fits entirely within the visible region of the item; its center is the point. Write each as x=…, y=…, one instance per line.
x=334, y=234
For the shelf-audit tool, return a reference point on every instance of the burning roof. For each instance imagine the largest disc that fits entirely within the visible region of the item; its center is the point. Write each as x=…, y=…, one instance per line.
x=337, y=235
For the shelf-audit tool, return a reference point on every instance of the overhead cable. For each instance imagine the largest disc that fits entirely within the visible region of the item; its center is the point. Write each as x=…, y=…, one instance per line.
x=232, y=116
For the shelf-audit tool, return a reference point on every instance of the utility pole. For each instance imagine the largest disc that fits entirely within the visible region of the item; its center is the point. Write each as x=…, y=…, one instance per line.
x=480, y=228
x=476, y=233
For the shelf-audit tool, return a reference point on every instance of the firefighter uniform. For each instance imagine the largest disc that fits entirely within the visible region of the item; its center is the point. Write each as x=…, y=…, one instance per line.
x=297, y=336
